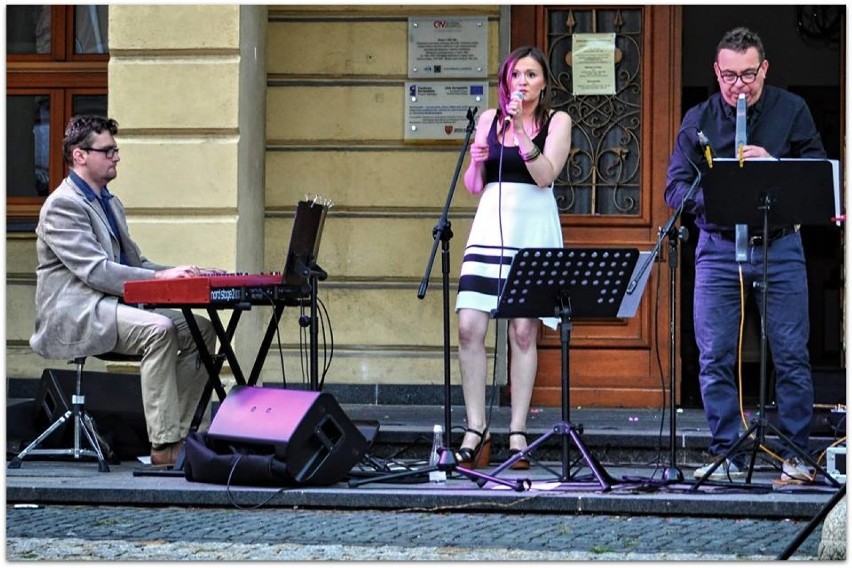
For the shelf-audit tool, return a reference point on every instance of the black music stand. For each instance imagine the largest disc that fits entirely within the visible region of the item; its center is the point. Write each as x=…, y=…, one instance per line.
x=301, y=269
x=798, y=191
x=305, y=241
x=760, y=193
x=561, y=282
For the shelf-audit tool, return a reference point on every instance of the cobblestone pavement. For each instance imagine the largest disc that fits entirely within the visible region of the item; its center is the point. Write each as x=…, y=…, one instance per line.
x=149, y=534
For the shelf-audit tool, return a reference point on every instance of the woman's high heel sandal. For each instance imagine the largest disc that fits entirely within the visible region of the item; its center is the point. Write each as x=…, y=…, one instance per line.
x=522, y=463
x=478, y=457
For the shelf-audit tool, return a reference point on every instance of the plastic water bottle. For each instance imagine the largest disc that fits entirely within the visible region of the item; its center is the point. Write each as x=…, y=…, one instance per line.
x=436, y=476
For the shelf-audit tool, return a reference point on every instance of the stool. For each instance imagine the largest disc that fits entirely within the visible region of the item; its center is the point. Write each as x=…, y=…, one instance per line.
x=83, y=422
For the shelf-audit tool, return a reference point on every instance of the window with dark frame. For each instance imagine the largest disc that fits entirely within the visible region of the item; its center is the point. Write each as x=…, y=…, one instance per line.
x=56, y=67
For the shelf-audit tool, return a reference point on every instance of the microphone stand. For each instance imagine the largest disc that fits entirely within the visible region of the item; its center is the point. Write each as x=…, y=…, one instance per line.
x=672, y=473
x=443, y=233
x=447, y=461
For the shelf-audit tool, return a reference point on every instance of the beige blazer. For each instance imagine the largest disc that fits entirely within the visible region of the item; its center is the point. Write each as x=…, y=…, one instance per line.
x=79, y=276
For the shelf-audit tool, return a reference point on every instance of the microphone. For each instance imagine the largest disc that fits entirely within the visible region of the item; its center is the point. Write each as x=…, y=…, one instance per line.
x=516, y=95
x=708, y=151
x=740, y=136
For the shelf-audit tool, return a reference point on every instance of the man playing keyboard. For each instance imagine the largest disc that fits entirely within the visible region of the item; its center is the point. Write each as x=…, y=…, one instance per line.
x=85, y=255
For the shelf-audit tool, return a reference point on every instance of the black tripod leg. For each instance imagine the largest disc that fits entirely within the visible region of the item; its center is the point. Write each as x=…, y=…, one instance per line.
x=727, y=455
x=805, y=532
x=523, y=454
x=448, y=463
x=802, y=454
x=600, y=473
x=569, y=434
x=392, y=476
x=760, y=426
x=516, y=484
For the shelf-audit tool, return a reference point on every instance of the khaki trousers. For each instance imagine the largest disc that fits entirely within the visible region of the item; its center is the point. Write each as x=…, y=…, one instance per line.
x=173, y=376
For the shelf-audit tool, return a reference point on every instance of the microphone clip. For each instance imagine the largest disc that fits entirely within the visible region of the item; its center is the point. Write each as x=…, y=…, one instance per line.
x=705, y=145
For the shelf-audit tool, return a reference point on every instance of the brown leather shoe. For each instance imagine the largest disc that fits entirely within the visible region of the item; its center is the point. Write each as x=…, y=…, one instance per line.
x=167, y=455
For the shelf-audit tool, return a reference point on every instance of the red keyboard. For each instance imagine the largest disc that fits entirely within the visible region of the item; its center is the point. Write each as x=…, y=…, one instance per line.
x=226, y=289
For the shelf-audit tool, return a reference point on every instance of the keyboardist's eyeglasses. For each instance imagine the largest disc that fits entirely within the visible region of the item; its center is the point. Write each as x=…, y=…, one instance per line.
x=110, y=152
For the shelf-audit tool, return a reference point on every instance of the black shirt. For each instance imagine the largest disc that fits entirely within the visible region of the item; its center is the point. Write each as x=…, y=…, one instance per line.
x=779, y=121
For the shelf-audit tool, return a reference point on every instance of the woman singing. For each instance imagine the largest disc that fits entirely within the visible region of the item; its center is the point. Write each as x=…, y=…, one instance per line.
x=519, y=149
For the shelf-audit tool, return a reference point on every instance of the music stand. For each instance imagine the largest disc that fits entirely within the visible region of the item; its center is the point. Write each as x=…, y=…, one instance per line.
x=583, y=282
x=757, y=193
x=301, y=269
x=305, y=241
x=737, y=195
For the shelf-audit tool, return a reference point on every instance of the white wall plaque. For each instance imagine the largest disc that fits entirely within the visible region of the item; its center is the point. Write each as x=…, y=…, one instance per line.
x=437, y=110
x=447, y=47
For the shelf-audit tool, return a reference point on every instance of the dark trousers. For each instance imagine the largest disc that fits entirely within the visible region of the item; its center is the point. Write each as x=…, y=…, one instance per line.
x=717, y=314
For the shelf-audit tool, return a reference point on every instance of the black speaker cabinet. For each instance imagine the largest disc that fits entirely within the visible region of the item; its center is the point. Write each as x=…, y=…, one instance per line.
x=114, y=401
x=20, y=424
x=306, y=429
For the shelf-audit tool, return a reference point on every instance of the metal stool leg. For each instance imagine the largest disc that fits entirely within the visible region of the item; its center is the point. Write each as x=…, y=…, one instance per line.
x=82, y=422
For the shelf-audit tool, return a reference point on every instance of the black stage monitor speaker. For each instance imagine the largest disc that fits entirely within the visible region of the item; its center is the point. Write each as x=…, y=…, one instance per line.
x=306, y=429
x=20, y=424
x=113, y=400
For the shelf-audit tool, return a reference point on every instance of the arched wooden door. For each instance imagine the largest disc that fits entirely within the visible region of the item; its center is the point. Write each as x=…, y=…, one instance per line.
x=611, y=194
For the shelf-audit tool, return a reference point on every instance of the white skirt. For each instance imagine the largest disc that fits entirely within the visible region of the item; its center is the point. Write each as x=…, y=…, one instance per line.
x=529, y=219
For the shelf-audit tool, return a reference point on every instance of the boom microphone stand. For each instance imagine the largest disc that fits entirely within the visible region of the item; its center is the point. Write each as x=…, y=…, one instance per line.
x=672, y=473
x=442, y=232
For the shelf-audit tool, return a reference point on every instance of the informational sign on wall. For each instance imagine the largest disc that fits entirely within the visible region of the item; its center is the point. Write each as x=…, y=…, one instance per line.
x=440, y=47
x=437, y=110
x=594, y=64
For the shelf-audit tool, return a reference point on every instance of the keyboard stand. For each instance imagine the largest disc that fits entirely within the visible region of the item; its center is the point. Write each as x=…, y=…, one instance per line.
x=214, y=363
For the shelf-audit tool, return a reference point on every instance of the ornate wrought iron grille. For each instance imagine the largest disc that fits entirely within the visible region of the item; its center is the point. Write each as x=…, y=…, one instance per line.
x=603, y=173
